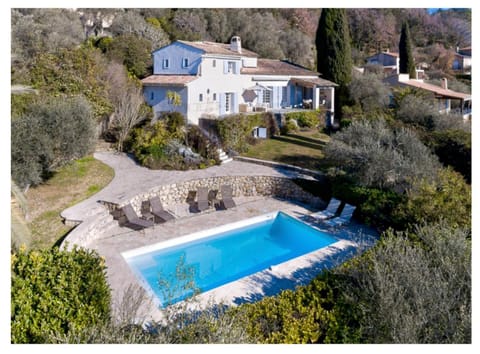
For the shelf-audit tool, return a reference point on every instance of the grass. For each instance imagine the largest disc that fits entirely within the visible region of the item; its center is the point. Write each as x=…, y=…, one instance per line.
x=303, y=149
x=68, y=186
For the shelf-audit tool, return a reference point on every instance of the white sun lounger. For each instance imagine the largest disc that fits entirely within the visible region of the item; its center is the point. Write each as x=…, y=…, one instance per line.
x=343, y=218
x=329, y=211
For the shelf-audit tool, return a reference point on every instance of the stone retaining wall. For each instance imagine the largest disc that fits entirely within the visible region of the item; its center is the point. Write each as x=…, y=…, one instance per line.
x=94, y=226
x=247, y=186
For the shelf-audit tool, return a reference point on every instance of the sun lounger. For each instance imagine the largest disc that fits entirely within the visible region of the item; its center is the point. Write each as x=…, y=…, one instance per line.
x=132, y=219
x=343, y=218
x=329, y=211
x=160, y=214
x=202, y=199
x=227, y=201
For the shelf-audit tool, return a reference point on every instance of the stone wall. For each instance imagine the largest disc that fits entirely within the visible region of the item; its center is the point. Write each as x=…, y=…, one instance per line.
x=247, y=186
x=279, y=187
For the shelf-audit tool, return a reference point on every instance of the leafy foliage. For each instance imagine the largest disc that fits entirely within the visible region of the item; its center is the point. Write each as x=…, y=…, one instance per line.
x=235, y=130
x=305, y=119
x=369, y=91
x=48, y=136
x=448, y=199
x=377, y=156
x=56, y=291
x=412, y=292
x=73, y=72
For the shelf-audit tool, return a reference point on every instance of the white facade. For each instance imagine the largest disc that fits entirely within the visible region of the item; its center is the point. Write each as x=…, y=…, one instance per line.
x=214, y=80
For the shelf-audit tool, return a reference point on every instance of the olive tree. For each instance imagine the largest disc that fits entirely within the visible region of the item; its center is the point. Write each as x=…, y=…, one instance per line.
x=49, y=135
x=369, y=91
x=377, y=156
x=413, y=292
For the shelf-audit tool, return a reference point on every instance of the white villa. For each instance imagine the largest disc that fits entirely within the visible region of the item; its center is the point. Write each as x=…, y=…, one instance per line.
x=215, y=79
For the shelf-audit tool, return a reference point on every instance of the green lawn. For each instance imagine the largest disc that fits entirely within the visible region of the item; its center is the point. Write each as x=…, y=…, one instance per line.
x=303, y=149
x=69, y=185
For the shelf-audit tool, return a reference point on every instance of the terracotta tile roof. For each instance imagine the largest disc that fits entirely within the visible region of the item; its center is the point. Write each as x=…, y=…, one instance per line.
x=311, y=82
x=436, y=89
x=169, y=80
x=393, y=54
x=218, y=48
x=277, y=67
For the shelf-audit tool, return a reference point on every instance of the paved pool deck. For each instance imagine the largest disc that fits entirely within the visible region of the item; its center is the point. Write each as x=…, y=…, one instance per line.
x=131, y=179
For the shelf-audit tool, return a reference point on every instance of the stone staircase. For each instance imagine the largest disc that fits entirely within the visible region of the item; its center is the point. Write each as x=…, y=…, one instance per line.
x=224, y=158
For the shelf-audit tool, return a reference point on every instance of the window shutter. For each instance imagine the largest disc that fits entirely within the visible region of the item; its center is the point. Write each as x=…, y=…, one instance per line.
x=222, y=104
x=234, y=108
x=237, y=68
x=225, y=67
x=275, y=95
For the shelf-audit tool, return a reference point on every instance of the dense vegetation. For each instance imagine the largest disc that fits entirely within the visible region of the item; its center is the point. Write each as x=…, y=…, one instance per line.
x=406, y=168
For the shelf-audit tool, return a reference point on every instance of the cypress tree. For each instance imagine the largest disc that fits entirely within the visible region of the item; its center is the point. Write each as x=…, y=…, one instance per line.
x=334, y=53
x=407, y=64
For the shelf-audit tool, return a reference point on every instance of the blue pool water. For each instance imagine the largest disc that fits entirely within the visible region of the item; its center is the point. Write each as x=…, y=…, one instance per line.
x=223, y=257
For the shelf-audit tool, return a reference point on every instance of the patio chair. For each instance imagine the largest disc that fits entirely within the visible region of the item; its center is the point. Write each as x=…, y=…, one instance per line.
x=227, y=201
x=160, y=214
x=329, y=211
x=132, y=219
x=202, y=199
x=344, y=217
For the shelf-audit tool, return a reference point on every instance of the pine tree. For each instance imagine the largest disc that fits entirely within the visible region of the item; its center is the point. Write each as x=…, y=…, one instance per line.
x=407, y=64
x=334, y=53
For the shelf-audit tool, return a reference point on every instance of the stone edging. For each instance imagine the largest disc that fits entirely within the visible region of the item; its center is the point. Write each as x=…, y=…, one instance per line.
x=246, y=186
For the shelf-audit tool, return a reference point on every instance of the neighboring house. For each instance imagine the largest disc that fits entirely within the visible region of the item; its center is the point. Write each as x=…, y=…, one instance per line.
x=390, y=61
x=462, y=60
x=215, y=79
x=444, y=96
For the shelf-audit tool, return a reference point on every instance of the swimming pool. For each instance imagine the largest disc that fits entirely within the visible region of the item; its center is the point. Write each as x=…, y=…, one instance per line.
x=174, y=269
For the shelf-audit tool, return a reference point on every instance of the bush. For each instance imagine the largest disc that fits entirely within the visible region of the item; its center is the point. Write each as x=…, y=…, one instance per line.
x=290, y=126
x=235, y=130
x=376, y=156
x=370, y=92
x=412, y=292
x=454, y=148
x=305, y=119
x=48, y=136
x=448, y=199
x=56, y=291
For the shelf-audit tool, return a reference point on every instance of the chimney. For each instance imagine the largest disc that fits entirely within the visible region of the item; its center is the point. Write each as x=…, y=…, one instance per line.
x=445, y=83
x=236, y=44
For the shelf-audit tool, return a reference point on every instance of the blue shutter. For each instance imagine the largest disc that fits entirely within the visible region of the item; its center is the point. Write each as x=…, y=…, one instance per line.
x=234, y=103
x=260, y=96
x=225, y=67
x=222, y=104
x=237, y=68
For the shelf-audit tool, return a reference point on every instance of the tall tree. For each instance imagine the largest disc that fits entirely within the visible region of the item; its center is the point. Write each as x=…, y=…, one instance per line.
x=407, y=64
x=334, y=54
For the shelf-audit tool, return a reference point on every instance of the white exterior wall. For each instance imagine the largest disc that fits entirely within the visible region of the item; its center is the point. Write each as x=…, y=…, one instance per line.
x=160, y=103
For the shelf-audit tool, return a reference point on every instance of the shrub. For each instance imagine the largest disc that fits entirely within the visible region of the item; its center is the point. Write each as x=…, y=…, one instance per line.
x=376, y=156
x=56, y=291
x=416, y=110
x=305, y=119
x=448, y=199
x=290, y=126
x=412, y=292
x=370, y=92
x=235, y=130
x=453, y=148
x=51, y=134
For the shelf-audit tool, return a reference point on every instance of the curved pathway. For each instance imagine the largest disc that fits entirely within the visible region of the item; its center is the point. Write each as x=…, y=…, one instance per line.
x=132, y=179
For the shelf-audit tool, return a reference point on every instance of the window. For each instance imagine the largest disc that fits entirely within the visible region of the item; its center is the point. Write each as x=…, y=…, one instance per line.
x=214, y=96
x=185, y=62
x=231, y=66
x=166, y=63
x=267, y=97
x=200, y=97
x=152, y=96
x=214, y=63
